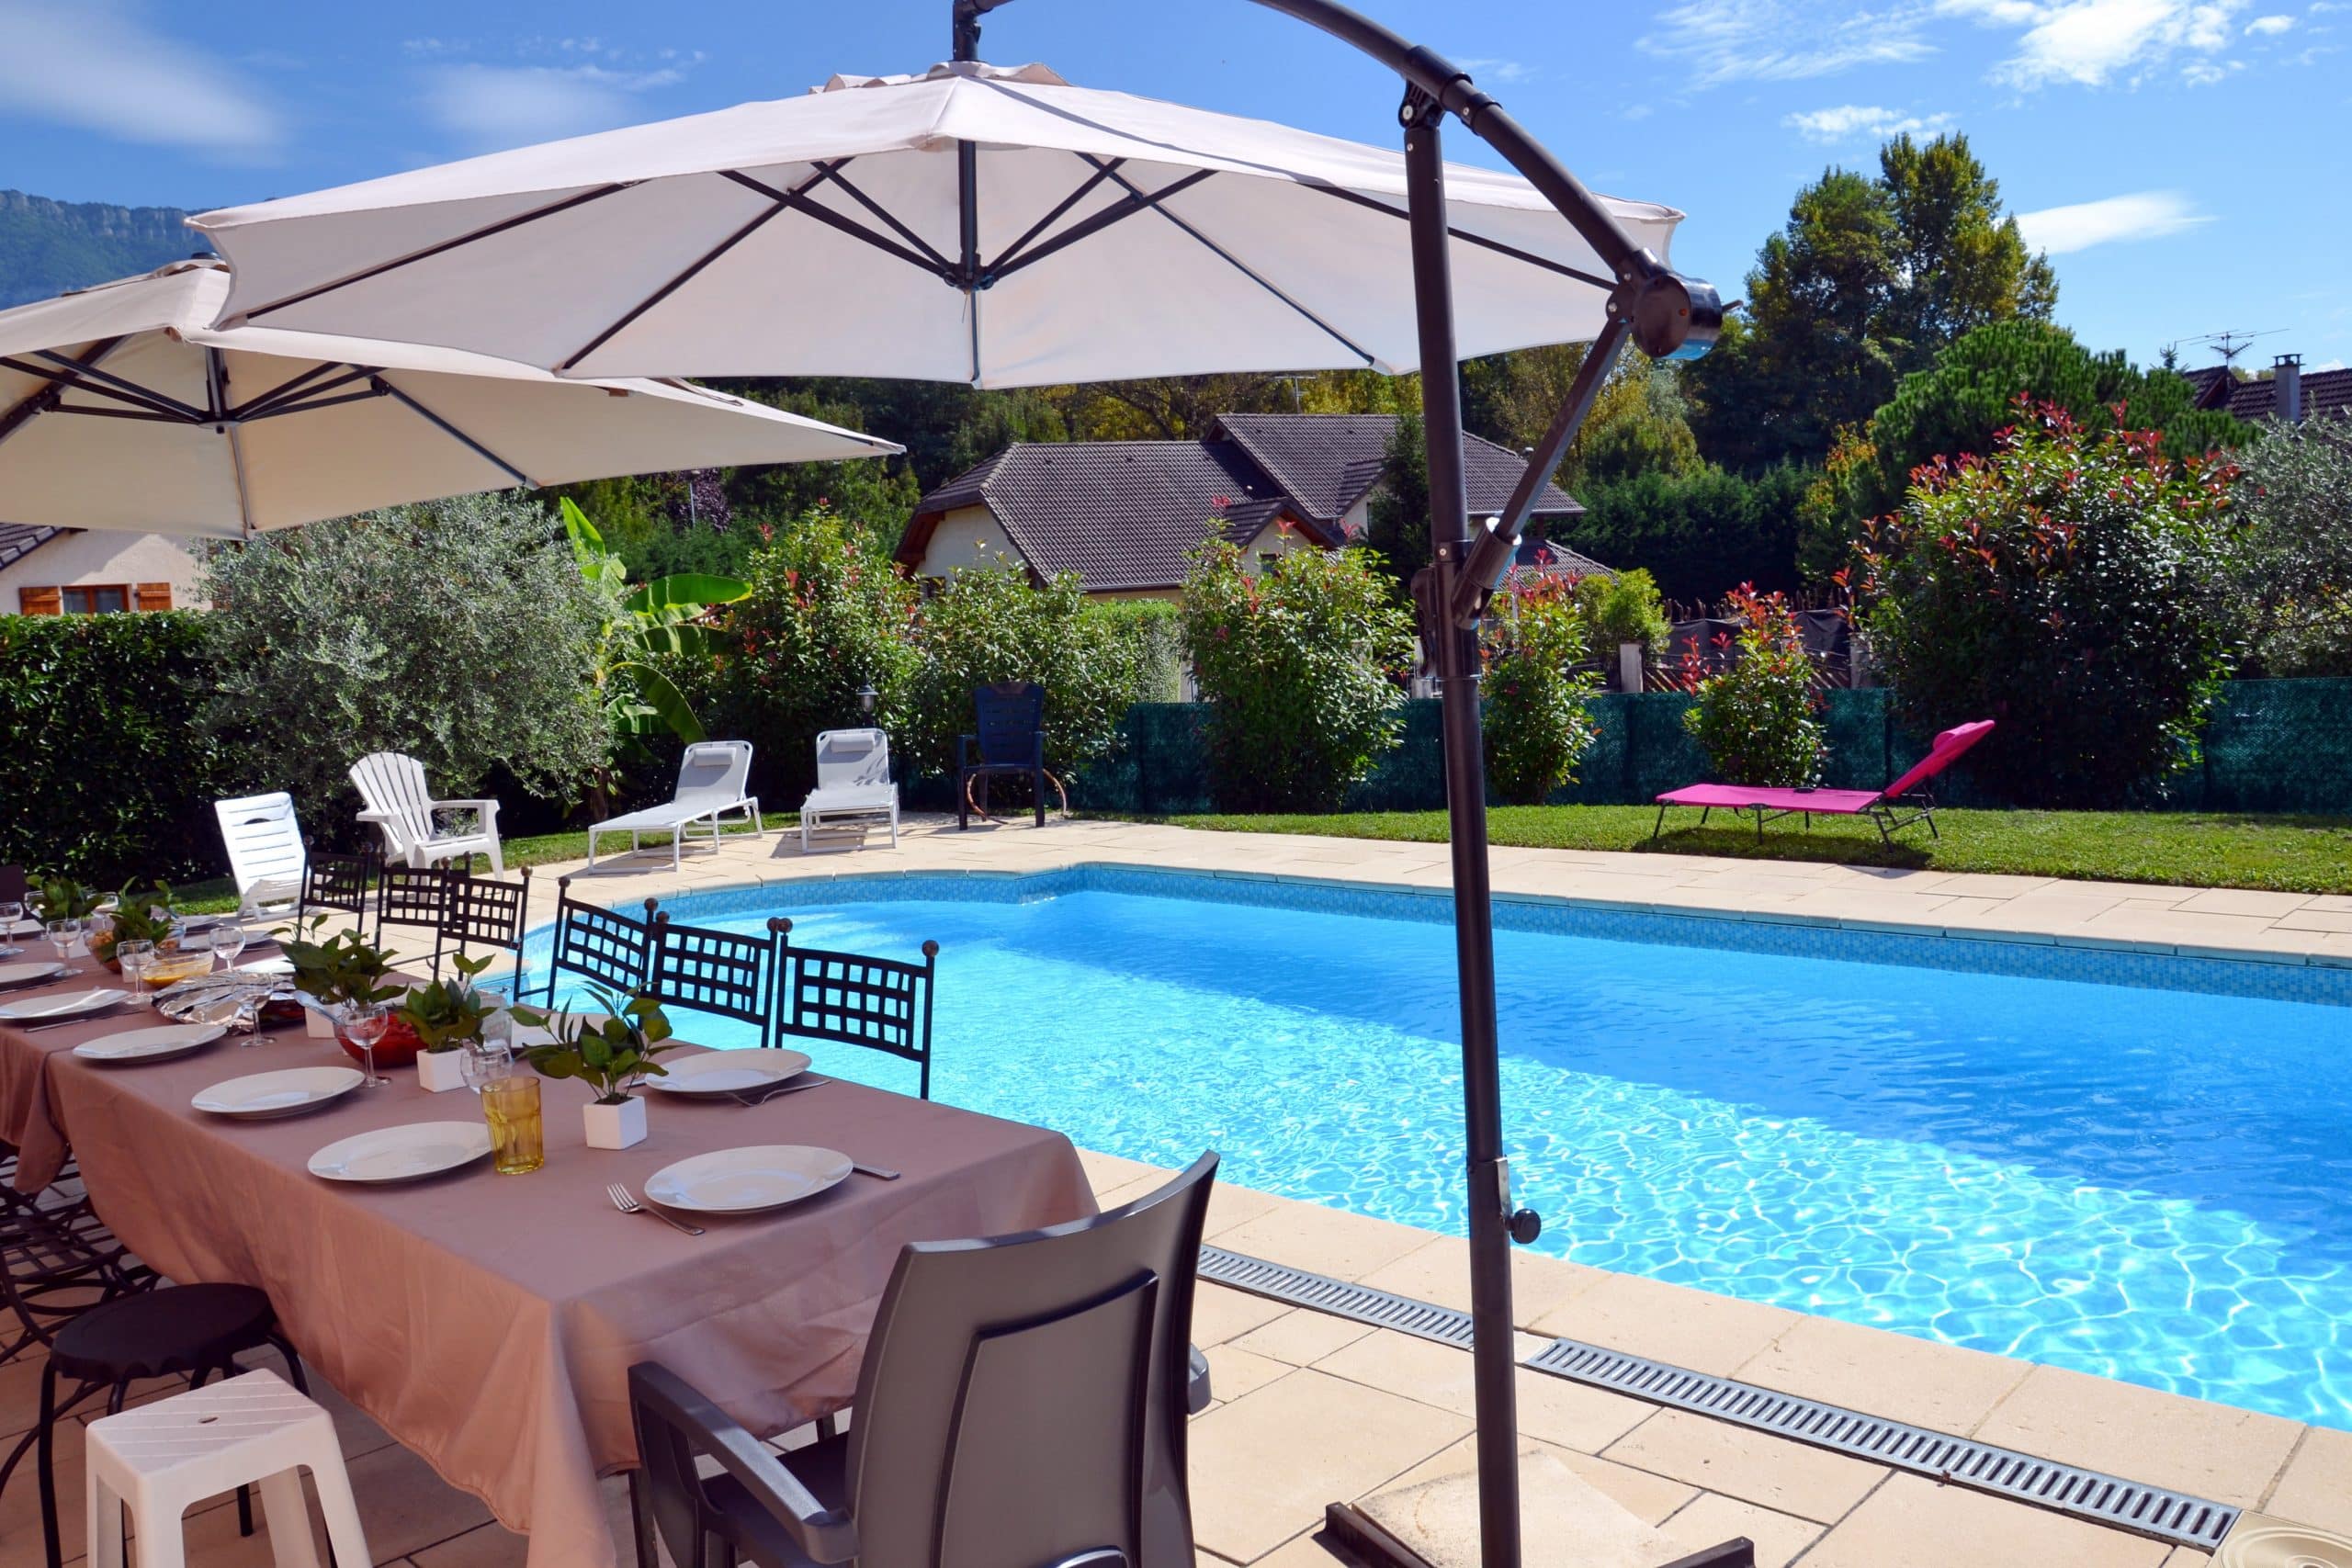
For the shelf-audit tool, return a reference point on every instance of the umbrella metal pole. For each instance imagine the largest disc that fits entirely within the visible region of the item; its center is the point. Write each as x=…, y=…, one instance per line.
x=1494, y=1368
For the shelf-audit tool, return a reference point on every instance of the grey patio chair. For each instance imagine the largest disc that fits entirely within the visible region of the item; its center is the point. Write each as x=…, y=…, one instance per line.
x=1022, y=1404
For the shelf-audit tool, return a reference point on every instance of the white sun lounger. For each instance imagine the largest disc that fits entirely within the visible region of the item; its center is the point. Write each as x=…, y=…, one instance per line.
x=713, y=780
x=853, y=784
x=265, y=854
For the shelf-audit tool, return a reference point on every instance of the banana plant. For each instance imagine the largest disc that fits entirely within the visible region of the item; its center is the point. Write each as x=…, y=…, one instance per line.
x=670, y=616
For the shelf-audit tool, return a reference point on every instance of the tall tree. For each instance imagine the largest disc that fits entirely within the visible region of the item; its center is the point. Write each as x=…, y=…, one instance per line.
x=1870, y=277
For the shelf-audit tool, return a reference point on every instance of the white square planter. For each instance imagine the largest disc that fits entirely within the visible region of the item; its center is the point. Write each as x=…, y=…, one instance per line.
x=437, y=1072
x=316, y=1024
x=616, y=1127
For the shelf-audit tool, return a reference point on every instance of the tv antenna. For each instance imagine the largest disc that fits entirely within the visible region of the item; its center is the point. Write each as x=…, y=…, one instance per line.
x=2228, y=344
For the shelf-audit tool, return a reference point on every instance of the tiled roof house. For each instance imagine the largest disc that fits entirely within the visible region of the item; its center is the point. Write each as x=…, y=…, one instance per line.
x=1125, y=515
x=2289, y=393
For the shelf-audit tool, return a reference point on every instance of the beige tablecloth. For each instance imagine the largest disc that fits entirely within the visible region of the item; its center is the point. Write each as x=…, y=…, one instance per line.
x=489, y=1322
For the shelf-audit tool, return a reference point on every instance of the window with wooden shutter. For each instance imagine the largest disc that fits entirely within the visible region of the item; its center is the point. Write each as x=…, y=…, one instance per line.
x=152, y=596
x=38, y=602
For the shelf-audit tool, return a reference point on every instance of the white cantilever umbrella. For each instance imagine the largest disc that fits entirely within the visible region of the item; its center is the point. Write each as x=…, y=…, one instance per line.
x=1105, y=236
x=121, y=407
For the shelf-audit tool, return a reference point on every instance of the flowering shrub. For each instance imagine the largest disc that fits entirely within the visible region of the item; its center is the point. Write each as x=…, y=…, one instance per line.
x=1536, y=724
x=2070, y=587
x=1758, y=717
x=1300, y=666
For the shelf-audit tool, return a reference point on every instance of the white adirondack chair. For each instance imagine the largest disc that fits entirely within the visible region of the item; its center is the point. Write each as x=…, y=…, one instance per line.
x=265, y=854
x=392, y=789
x=714, y=778
x=853, y=784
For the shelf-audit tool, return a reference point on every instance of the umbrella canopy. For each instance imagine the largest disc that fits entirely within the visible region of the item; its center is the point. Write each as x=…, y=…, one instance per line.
x=973, y=223
x=120, y=407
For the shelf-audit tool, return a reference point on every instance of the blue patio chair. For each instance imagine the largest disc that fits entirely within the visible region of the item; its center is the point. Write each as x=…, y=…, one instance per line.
x=1010, y=718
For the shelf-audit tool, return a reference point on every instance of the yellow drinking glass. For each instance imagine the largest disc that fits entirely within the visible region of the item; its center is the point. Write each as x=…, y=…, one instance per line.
x=516, y=1138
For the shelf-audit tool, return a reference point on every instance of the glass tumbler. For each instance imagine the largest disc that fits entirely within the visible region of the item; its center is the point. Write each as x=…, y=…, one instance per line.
x=517, y=1140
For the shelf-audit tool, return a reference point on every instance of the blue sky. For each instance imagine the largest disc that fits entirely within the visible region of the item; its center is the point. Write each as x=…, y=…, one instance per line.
x=2172, y=155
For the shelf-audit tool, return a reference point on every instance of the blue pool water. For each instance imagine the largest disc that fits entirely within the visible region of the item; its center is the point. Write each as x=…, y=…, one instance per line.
x=2150, y=1184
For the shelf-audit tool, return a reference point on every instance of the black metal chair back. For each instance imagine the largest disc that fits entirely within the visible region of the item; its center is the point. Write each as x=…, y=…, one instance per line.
x=730, y=974
x=414, y=896
x=1009, y=718
x=597, y=944
x=881, y=1003
x=14, y=885
x=488, y=911
x=339, y=882
x=1022, y=1404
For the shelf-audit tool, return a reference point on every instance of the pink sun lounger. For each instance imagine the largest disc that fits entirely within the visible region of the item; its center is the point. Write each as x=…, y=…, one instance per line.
x=1884, y=807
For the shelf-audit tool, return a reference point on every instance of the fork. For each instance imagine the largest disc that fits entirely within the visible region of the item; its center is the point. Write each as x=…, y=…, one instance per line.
x=792, y=1085
x=628, y=1205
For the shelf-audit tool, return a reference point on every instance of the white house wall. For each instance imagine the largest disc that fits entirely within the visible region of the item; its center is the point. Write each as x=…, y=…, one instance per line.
x=969, y=536
x=103, y=558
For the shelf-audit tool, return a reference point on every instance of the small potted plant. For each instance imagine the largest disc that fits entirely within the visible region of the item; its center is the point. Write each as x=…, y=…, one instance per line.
x=341, y=973
x=611, y=1054
x=137, y=917
x=446, y=1017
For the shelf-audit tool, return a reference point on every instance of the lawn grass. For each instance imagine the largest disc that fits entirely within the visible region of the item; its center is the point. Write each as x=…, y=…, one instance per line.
x=2292, y=854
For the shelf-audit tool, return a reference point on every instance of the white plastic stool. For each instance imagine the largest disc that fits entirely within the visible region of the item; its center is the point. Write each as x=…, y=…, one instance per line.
x=161, y=1457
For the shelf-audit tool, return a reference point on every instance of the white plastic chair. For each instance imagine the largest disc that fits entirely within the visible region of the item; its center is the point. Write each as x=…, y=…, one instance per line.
x=265, y=853
x=714, y=779
x=392, y=789
x=853, y=784
x=158, y=1459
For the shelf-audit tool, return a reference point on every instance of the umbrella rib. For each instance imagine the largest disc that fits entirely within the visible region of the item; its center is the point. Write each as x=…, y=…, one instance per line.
x=1006, y=258
x=832, y=172
x=1125, y=207
x=484, y=452
x=42, y=399
x=486, y=232
x=294, y=386
x=1530, y=257
x=831, y=219
x=1239, y=265
x=275, y=410
x=681, y=280
x=72, y=381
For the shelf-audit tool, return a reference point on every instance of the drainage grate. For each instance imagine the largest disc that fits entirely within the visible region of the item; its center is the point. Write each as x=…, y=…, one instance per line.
x=2172, y=1516
x=2154, y=1511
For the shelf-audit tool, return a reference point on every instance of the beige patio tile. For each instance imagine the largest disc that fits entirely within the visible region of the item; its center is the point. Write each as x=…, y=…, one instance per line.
x=1438, y=1272
x=491, y=1546
x=1324, y=1241
x=1712, y=1519
x=2312, y=921
x=1650, y=1498
x=2242, y=901
x=1550, y=1408
x=1303, y=1338
x=1264, y=1465
x=2151, y=923
x=1234, y=1371
x=1872, y=904
x=1994, y=886
x=2316, y=1486
x=1939, y=1386
x=1690, y=1328
x=1230, y=1206
x=1220, y=1314
x=2142, y=1434
x=1912, y=1521
x=1311, y=1549
x=1716, y=1456
x=1104, y=1172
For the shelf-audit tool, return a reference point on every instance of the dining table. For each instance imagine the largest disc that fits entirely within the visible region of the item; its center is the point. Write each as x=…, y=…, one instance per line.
x=487, y=1321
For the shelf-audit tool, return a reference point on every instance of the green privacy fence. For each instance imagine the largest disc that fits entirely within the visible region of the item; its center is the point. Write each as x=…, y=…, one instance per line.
x=2270, y=746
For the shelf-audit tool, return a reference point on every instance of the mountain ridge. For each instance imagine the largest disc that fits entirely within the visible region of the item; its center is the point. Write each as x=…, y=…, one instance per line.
x=49, y=246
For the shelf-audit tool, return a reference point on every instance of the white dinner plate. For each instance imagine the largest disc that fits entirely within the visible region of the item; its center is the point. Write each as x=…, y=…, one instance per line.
x=729, y=1072
x=70, y=1005
x=22, y=928
x=157, y=1042
x=25, y=973
x=402, y=1153
x=745, y=1182
x=277, y=966
x=286, y=1092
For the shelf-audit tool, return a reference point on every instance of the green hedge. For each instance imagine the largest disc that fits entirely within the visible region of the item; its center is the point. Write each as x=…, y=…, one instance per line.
x=104, y=771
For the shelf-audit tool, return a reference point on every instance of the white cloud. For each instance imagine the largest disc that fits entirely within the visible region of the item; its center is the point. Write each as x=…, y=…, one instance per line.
x=99, y=66
x=1504, y=70
x=2093, y=42
x=1855, y=122
x=494, y=106
x=2270, y=27
x=1731, y=40
x=2145, y=215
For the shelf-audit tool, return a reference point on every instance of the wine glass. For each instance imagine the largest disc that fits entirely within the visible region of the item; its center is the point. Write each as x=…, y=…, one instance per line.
x=364, y=1024
x=136, y=958
x=64, y=937
x=228, y=941
x=486, y=1061
x=11, y=911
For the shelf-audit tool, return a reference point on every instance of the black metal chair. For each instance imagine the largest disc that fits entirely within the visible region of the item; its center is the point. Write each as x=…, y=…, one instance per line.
x=339, y=882
x=14, y=885
x=1011, y=719
x=1021, y=1404
x=730, y=974
x=597, y=944
x=488, y=911
x=414, y=896
x=883, y=1004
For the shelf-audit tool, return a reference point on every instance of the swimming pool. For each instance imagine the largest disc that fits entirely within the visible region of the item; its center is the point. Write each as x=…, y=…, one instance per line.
x=2048, y=1152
